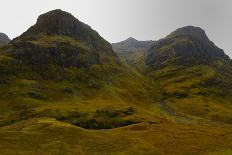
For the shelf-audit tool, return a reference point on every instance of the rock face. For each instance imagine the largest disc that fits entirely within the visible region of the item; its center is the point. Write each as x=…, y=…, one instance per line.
x=187, y=44
x=131, y=45
x=4, y=39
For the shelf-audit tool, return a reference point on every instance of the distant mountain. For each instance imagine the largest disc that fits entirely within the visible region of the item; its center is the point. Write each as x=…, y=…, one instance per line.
x=4, y=39
x=131, y=51
x=132, y=45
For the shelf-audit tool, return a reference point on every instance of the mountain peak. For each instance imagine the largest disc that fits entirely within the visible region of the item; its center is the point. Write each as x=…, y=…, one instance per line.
x=192, y=31
x=131, y=39
x=57, y=22
x=4, y=39
x=59, y=39
x=132, y=45
x=188, y=29
x=186, y=43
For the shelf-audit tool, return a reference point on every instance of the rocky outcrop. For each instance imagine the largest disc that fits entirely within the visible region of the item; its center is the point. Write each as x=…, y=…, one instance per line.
x=4, y=39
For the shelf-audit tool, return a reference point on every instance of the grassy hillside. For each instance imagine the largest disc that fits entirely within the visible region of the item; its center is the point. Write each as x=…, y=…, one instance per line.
x=49, y=136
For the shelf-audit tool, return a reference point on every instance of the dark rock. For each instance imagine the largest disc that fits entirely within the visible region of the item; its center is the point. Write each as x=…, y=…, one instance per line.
x=4, y=39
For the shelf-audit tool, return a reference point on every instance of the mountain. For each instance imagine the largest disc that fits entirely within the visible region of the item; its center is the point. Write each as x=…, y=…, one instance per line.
x=193, y=73
x=78, y=39
x=4, y=39
x=59, y=41
x=132, y=45
x=57, y=66
x=63, y=90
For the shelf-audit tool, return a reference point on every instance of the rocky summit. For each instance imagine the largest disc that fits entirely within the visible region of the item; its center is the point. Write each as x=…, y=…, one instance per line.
x=58, y=22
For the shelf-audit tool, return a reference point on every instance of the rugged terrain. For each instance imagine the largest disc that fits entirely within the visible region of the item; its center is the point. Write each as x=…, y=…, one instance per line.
x=65, y=91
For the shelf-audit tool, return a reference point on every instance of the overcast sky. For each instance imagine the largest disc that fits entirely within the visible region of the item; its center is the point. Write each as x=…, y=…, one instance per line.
x=117, y=20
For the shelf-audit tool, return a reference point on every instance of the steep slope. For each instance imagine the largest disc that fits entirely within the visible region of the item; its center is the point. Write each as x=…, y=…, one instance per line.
x=195, y=75
x=4, y=39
